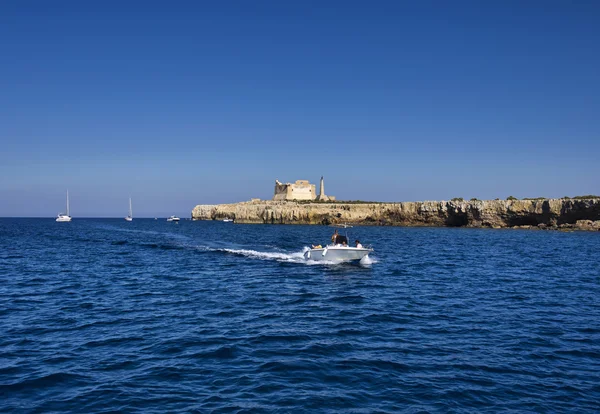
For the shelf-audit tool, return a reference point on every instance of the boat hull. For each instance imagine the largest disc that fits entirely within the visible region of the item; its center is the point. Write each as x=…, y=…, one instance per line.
x=128, y=219
x=337, y=254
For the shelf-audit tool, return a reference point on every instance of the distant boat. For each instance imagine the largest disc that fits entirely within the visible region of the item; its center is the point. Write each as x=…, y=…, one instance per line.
x=227, y=220
x=64, y=217
x=342, y=225
x=130, y=216
x=173, y=218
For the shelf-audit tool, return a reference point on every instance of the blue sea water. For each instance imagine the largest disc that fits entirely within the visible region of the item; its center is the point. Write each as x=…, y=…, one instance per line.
x=102, y=315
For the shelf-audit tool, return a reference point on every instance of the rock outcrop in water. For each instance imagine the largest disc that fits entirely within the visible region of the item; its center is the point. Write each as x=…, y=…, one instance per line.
x=581, y=214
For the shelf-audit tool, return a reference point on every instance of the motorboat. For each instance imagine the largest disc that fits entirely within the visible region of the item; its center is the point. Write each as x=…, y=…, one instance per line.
x=337, y=253
x=173, y=218
x=64, y=217
x=227, y=220
x=130, y=216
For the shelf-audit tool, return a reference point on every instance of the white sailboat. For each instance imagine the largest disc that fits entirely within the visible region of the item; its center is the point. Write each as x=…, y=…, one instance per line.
x=62, y=217
x=130, y=216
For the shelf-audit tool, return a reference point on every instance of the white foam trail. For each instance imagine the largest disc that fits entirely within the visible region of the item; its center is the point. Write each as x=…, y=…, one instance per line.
x=295, y=257
x=367, y=261
x=281, y=257
x=138, y=231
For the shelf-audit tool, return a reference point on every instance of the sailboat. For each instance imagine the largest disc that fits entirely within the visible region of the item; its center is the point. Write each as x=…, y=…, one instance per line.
x=130, y=216
x=62, y=216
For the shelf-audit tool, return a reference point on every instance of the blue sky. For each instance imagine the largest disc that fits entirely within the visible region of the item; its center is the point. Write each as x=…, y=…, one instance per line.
x=210, y=102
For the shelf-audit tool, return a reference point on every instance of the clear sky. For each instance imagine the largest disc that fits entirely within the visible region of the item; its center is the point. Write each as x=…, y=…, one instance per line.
x=185, y=103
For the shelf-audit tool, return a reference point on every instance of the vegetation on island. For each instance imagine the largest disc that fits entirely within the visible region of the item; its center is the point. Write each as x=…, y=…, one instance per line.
x=455, y=199
x=337, y=202
x=584, y=197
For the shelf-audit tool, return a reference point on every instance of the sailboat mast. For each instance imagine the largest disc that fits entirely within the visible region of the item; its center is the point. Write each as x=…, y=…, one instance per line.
x=130, y=210
x=68, y=203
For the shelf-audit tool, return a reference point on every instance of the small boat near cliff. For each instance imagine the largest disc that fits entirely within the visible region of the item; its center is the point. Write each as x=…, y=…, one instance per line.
x=173, y=218
x=227, y=220
x=342, y=225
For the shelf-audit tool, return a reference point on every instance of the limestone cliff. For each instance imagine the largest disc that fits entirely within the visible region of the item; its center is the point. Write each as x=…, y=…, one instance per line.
x=547, y=213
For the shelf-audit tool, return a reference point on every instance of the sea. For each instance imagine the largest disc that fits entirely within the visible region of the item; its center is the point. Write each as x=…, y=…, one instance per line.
x=150, y=316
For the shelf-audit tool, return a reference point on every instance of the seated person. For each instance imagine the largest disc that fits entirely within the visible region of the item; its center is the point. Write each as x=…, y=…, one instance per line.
x=318, y=246
x=358, y=245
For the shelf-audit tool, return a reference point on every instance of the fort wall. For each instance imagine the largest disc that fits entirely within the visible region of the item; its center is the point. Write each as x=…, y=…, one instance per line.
x=300, y=190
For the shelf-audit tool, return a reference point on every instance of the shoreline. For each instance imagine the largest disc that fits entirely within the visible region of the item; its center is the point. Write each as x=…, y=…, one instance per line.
x=539, y=214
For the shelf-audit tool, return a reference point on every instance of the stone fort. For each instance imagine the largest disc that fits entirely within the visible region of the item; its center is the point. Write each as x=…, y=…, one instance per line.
x=300, y=190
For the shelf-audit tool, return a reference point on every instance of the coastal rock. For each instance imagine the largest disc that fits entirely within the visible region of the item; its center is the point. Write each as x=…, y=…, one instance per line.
x=587, y=225
x=542, y=213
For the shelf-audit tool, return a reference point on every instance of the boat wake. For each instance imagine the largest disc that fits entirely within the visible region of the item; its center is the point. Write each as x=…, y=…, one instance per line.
x=284, y=257
x=367, y=261
x=174, y=241
x=278, y=256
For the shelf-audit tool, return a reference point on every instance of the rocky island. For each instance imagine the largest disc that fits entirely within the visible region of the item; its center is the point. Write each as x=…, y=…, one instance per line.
x=583, y=214
x=298, y=203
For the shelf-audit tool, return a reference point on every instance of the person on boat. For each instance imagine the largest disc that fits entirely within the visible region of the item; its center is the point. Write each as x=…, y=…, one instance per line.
x=318, y=246
x=358, y=245
x=334, y=238
x=341, y=240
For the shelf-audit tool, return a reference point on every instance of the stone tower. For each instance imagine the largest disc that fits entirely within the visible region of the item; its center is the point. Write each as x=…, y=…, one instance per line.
x=322, y=196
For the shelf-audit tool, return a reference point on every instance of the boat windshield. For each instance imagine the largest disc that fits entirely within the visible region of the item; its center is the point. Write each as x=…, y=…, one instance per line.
x=340, y=239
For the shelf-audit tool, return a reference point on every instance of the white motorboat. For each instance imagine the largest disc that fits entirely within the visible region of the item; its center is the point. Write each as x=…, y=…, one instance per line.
x=173, y=218
x=64, y=217
x=342, y=225
x=130, y=216
x=337, y=253
x=227, y=220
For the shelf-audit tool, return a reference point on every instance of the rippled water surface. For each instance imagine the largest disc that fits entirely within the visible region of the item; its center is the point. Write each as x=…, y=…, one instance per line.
x=102, y=315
